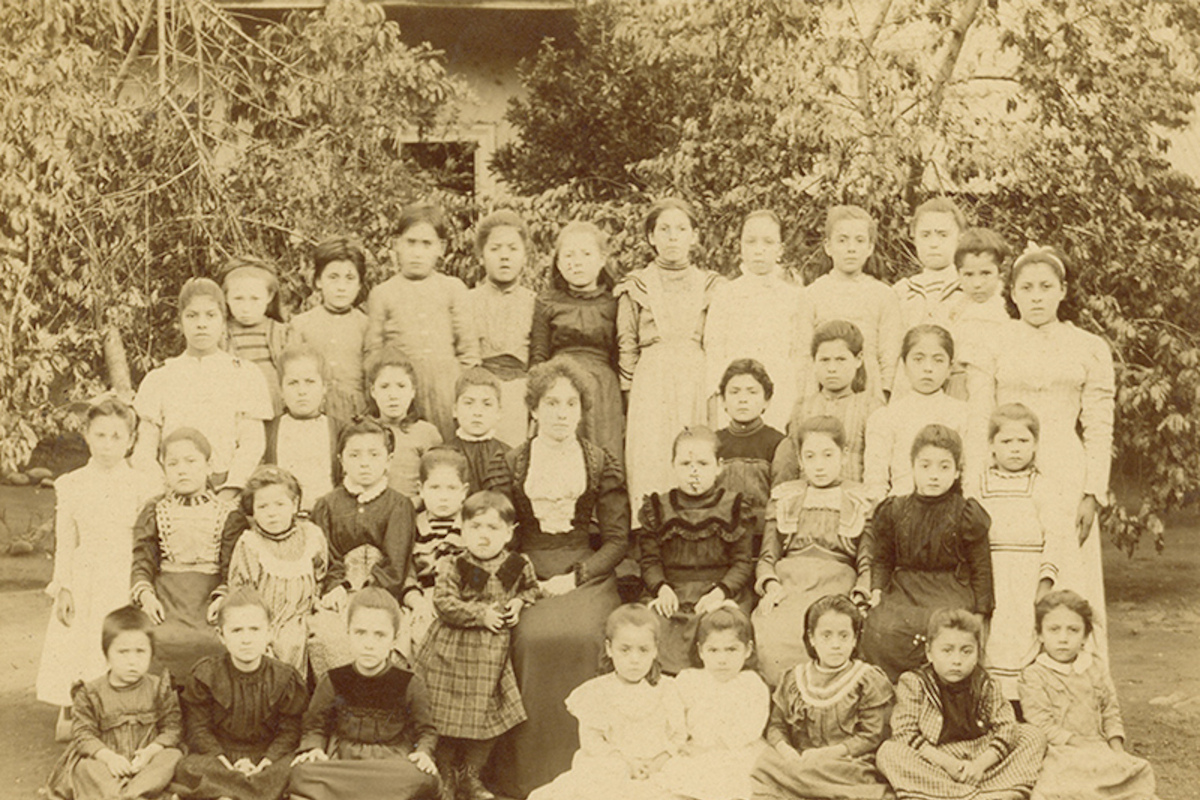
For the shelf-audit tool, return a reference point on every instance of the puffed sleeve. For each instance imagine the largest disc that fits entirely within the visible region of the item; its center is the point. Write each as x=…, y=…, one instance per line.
x=588, y=704
x=740, y=550
x=244, y=567
x=975, y=524
x=754, y=705
x=528, y=590
x=1096, y=417
x=1038, y=705
x=147, y=552
x=612, y=516
x=883, y=544
x=539, y=332
x=292, y=702
x=462, y=320
x=875, y=698
x=628, y=341
x=650, y=555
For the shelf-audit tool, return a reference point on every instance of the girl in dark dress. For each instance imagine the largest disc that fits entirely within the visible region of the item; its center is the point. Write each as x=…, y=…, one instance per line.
x=573, y=524
x=577, y=318
x=930, y=551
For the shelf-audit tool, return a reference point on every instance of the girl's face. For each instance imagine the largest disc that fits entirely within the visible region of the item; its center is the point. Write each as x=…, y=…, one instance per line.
x=762, y=245
x=953, y=654
x=936, y=236
x=203, y=324
x=745, y=399
x=365, y=458
x=443, y=492
x=275, y=507
x=477, y=410
x=417, y=250
x=339, y=285
x=632, y=649
x=696, y=466
x=836, y=366
x=1037, y=292
x=484, y=535
x=927, y=365
x=185, y=467
x=1013, y=446
x=724, y=654
x=504, y=255
x=393, y=391
x=302, y=388
x=372, y=633
x=979, y=276
x=673, y=238
x=821, y=459
x=128, y=657
x=1062, y=635
x=833, y=638
x=849, y=245
x=247, y=296
x=559, y=411
x=934, y=471
x=108, y=440
x=580, y=261
x=246, y=633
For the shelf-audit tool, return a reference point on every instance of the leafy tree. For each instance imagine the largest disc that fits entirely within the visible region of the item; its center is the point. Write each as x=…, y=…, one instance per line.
x=123, y=171
x=1049, y=122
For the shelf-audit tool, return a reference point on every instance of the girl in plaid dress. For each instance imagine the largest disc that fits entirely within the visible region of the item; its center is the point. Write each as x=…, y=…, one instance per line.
x=478, y=596
x=953, y=733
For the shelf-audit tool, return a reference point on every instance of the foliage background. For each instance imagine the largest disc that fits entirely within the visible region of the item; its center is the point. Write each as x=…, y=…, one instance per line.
x=121, y=175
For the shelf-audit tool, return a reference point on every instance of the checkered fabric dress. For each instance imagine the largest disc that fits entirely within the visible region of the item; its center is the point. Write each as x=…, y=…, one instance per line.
x=472, y=687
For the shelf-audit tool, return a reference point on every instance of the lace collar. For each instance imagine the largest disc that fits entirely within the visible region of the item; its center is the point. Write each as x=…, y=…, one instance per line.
x=365, y=494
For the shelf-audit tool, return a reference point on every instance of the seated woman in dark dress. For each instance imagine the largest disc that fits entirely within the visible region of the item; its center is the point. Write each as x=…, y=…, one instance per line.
x=573, y=522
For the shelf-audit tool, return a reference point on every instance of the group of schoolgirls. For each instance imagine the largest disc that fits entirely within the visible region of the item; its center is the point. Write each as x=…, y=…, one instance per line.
x=340, y=583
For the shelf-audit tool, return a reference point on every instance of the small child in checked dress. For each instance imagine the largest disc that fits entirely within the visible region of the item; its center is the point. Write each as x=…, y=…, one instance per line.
x=478, y=596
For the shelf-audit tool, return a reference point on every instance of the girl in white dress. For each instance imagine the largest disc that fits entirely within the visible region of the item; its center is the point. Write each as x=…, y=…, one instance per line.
x=726, y=707
x=96, y=507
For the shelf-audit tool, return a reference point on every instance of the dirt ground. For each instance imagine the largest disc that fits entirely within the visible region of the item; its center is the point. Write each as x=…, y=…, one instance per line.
x=1154, y=609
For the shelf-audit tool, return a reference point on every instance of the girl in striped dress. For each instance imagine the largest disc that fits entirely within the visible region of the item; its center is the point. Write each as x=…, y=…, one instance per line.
x=465, y=660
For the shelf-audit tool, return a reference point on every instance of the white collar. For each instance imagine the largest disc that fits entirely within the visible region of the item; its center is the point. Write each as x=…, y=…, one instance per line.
x=1081, y=664
x=466, y=437
x=365, y=494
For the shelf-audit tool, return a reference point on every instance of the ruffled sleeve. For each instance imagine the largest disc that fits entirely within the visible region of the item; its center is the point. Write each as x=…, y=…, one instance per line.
x=974, y=526
x=628, y=328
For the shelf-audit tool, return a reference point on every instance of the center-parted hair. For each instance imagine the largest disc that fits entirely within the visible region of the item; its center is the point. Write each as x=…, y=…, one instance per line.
x=485, y=501
x=366, y=427
x=340, y=248
x=982, y=241
x=832, y=604
x=242, y=597
x=124, y=619
x=259, y=269
x=1064, y=598
x=112, y=407
x=417, y=213
x=763, y=213
x=938, y=436
x=695, y=433
x=954, y=619
x=202, y=287
x=444, y=456
x=264, y=476
x=1014, y=412
x=918, y=332
x=659, y=207
x=725, y=618
x=377, y=598
x=198, y=439
x=748, y=366
x=824, y=424
x=637, y=615
x=392, y=358
x=839, y=330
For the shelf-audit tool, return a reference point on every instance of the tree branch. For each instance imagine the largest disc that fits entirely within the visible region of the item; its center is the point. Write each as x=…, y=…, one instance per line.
x=139, y=41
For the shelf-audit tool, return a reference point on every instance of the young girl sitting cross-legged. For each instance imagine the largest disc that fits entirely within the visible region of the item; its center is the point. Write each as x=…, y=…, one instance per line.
x=953, y=733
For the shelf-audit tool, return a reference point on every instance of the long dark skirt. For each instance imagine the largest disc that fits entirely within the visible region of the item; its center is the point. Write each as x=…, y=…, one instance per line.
x=556, y=646
x=374, y=779
x=894, y=634
x=677, y=633
x=184, y=637
x=205, y=777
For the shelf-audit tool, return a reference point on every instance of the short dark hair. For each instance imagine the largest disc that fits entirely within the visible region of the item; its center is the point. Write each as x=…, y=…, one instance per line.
x=831, y=604
x=241, y=597
x=443, y=456
x=830, y=426
x=1064, y=598
x=483, y=502
x=1014, y=412
x=982, y=241
x=695, y=433
x=939, y=205
x=417, y=213
x=938, y=436
x=264, y=476
x=503, y=218
x=954, y=619
x=126, y=618
x=301, y=351
x=340, y=248
x=914, y=335
x=659, y=207
x=374, y=597
x=383, y=359
x=366, y=427
x=748, y=366
x=763, y=213
x=112, y=407
x=185, y=435
x=476, y=376
x=725, y=618
x=837, y=214
x=202, y=287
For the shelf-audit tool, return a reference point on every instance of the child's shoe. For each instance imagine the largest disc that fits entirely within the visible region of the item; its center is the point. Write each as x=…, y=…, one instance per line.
x=471, y=786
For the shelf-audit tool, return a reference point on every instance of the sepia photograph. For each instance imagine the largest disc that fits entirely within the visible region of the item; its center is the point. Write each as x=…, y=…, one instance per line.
x=600, y=400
